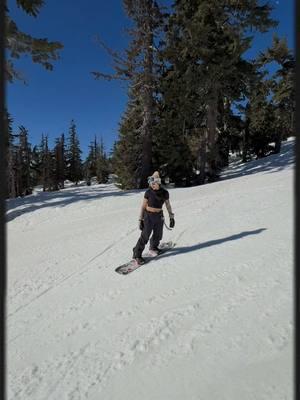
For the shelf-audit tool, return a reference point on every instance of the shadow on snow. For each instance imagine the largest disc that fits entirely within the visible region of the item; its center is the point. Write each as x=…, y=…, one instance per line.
x=60, y=198
x=269, y=164
x=187, y=249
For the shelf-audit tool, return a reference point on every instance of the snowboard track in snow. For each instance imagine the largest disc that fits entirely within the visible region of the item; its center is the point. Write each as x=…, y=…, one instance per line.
x=82, y=270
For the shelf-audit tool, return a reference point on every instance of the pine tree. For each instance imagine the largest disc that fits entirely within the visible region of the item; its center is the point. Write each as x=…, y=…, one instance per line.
x=96, y=163
x=101, y=163
x=46, y=164
x=73, y=155
x=282, y=87
x=36, y=166
x=128, y=149
x=205, y=44
x=24, y=158
x=90, y=162
x=18, y=43
x=139, y=69
x=255, y=86
x=11, y=151
x=60, y=162
x=261, y=119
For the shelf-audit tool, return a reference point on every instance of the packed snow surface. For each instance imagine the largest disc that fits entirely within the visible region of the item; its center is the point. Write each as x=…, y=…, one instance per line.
x=212, y=319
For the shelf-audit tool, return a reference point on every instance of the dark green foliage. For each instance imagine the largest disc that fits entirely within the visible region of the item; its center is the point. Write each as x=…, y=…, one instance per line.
x=200, y=75
x=36, y=166
x=282, y=86
x=205, y=42
x=46, y=164
x=96, y=163
x=127, y=151
x=11, y=151
x=19, y=43
x=260, y=115
x=102, y=170
x=31, y=7
x=89, y=166
x=270, y=107
x=18, y=150
x=24, y=182
x=22, y=166
x=139, y=68
x=59, y=171
x=186, y=74
x=73, y=156
x=172, y=154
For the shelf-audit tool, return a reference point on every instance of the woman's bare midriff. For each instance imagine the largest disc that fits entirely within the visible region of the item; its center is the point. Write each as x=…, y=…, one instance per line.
x=151, y=209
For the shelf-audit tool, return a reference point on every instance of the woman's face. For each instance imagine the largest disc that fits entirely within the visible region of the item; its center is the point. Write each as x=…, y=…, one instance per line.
x=154, y=185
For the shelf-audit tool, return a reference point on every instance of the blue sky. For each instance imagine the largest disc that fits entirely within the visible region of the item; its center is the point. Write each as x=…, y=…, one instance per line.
x=51, y=99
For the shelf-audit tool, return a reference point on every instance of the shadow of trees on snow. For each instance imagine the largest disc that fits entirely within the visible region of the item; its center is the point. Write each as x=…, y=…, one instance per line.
x=61, y=198
x=269, y=164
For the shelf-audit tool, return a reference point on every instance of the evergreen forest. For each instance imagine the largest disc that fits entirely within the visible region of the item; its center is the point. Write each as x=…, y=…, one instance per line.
x=194, y=98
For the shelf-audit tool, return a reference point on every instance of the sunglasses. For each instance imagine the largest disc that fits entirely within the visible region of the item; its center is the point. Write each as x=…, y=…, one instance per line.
x=152, y=180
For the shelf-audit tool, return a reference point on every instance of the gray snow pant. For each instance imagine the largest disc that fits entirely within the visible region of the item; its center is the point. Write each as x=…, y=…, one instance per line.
x=152, y=222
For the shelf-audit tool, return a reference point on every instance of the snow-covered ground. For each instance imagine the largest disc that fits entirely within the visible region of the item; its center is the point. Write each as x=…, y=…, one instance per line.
x=210, y=320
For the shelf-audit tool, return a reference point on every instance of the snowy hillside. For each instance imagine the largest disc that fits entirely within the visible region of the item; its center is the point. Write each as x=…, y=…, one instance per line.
x=210, y=320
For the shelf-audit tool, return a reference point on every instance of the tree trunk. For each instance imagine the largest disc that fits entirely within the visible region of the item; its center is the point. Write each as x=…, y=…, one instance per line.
x=11, y=189
x=202, y=158
x=278, y=142
x=212, y=136
x=146, y=135
x=146, y=128
x=245, y=142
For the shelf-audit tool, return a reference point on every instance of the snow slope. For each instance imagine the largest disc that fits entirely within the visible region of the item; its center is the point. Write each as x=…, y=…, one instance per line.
x=212, y=319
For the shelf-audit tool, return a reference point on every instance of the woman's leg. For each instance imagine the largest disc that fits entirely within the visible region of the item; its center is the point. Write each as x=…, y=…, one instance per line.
x=143, y=240
x=157, y=231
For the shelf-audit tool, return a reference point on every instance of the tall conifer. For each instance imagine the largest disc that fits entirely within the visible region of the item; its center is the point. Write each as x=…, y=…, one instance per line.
x=11, y=151
x=45, y=164
x=205, y=44
x=282, y=87
x=60, y=161
x=24, y=158
x=73, y=155
x=139, y=69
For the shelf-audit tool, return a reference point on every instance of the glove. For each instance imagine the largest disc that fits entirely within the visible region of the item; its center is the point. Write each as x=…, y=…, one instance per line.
x=172, y=222
x=141, y=224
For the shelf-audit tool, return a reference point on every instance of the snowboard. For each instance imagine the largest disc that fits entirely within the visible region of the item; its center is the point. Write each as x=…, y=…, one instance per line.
x=131, y=265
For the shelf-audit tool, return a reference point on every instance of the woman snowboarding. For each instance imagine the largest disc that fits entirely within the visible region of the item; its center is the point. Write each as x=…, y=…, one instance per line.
x=151, y=217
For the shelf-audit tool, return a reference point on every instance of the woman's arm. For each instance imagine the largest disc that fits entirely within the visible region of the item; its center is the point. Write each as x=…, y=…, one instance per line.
x=169, y=208
x=143, y=208
x=171, y=215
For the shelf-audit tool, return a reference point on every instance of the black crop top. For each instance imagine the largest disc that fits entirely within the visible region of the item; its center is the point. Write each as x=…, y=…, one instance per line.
x=156, y=198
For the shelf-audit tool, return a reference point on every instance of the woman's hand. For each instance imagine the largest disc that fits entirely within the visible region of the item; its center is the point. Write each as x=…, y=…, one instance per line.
x=172, y=222
x=141, y=224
